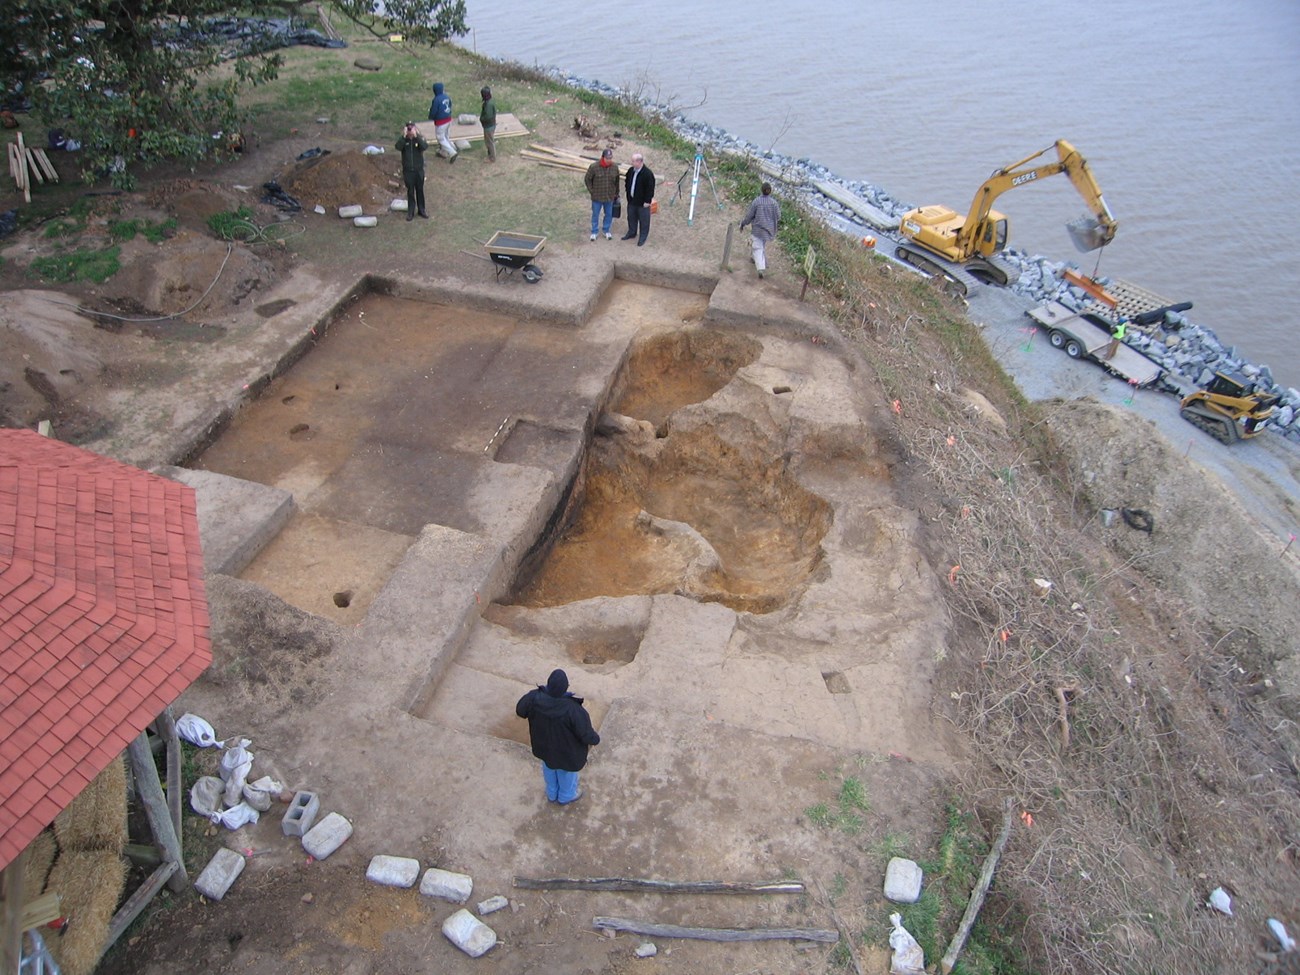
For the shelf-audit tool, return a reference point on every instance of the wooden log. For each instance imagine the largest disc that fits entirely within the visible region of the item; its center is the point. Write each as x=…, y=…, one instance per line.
x=653, y=930
x=977, y=895
x=166, y=724
x=657, y=886
x=142, y=854
x=12, y=898
x=137, y=902
x=150, y=790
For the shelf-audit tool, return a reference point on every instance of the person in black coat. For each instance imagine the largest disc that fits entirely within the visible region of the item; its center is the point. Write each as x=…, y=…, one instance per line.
x=412, y=145
x=640, y=184
x=560, y=731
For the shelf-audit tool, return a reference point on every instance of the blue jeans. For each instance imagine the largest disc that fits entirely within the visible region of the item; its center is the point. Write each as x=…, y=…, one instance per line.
x=561, y=786
x=596, y=206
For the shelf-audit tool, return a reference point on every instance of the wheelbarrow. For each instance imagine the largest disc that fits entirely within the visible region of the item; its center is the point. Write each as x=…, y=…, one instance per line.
x=511, y=251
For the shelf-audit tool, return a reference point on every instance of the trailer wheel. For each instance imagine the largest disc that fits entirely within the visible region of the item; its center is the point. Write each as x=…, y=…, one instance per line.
x=1073, y=349
x=1057, y=338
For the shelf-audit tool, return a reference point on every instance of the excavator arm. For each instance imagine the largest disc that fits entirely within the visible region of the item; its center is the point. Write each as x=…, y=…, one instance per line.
x=976, y=234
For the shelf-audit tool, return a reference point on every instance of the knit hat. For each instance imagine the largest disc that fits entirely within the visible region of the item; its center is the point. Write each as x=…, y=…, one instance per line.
x=557, y=683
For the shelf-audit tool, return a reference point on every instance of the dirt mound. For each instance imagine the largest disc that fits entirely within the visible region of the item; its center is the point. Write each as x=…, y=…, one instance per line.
x=193, y=201
x=345, y=178
x=169, y=280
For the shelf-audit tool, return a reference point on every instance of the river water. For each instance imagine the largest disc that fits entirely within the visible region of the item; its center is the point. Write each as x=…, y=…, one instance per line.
x=1188, y=112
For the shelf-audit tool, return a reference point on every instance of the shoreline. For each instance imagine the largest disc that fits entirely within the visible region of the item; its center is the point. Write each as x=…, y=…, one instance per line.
x=1188, y=353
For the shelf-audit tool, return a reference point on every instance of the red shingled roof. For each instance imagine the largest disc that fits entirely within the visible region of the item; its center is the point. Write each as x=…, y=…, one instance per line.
x=103, y=619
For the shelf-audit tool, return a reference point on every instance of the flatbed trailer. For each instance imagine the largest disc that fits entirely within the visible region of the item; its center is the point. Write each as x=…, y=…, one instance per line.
x=1087, y=335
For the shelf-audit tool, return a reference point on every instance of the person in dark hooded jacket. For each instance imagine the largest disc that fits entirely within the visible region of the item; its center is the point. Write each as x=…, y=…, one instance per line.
x=561, y=732
x=440, y=116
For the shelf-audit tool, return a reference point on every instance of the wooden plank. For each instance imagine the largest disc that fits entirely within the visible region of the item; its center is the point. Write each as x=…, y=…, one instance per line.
x=508, y=126
x=653, y=930
x=43, y=910
x=33, y=167
x=22, y=168
x=11, y=151
x=657, y=886
x=137, y=902
x=48, y=166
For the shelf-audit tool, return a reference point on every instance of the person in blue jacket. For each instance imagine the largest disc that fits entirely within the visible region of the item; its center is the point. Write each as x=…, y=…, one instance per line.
x=440, y=116
x=560, y=731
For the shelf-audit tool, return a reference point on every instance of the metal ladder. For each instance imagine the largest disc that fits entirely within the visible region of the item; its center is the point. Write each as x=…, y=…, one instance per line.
x=37, y=960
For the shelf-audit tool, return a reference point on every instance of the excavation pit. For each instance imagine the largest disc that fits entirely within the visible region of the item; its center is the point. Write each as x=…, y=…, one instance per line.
x=706, y=508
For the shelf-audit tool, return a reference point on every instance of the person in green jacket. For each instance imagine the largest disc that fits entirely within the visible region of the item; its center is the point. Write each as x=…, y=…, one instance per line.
x=412, y=145
x=487, y=116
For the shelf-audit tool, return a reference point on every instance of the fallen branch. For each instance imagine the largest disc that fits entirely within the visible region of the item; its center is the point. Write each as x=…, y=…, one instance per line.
x=977, y=895
x=1063, y=708
x=656, y=886
x=650, y=929
x=845, y=935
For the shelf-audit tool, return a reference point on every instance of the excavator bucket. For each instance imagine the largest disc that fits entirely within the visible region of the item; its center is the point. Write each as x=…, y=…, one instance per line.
x=1086, y=233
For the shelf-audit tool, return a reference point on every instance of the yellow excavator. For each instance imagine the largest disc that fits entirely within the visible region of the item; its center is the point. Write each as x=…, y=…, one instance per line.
x=1230, y=408
x=964, y=250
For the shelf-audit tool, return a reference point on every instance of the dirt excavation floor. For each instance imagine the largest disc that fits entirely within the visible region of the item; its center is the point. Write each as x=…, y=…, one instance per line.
x=421, y=489
x=739, y=598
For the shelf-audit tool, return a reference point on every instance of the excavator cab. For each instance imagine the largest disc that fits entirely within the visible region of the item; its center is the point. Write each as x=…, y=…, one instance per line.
x=1229, y=408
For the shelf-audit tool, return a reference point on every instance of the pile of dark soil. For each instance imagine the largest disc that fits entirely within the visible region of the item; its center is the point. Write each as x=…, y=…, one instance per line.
x=345, y=178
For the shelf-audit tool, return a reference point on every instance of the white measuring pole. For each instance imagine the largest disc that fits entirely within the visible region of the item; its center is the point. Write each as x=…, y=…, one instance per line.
x=695, y=188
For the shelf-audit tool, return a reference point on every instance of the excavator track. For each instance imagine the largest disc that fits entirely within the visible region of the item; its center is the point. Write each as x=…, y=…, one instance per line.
x=963, y=279
x=954, y=278
x=1217, y=426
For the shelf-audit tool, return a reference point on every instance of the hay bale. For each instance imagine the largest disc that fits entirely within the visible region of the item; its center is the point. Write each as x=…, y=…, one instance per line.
x=90, y=883
x=96, y=819
x=40, y=857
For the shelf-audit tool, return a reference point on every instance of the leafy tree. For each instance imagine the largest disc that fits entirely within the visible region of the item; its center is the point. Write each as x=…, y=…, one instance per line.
x=422, y=22
x=139, y=81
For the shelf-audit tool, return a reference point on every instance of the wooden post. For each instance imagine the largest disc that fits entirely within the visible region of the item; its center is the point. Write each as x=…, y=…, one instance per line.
x=977, y=895
x=11, y=912
x=726, y=248
x=138, y=901
x=175, y=785
x=150, y=790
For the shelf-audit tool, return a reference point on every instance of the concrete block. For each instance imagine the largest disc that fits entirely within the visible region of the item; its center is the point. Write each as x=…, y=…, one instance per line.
x=301, y=814
x=446, y=885
x=493, y=904
x=468, y=933
x=903, y=881
x=222, y=870
x=327, y=836
x=393, y=871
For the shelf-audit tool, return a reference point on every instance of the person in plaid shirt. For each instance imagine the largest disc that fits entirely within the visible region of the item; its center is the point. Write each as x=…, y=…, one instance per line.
x=765, y=214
